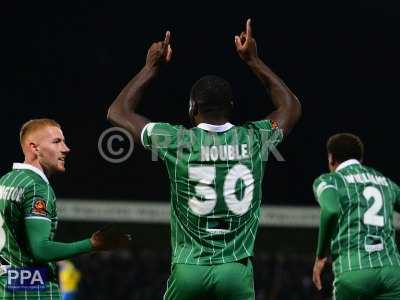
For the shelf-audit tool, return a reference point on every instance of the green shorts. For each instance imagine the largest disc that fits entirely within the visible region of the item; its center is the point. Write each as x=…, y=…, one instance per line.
x=52, y=292
x=369, y=284
x=229, y=281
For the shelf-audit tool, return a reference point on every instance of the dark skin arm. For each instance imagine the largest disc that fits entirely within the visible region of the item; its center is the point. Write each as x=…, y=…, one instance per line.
x=288, y=108
x=122, y=111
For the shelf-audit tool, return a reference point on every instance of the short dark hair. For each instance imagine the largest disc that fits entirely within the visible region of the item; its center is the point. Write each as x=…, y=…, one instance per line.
x=344, y=146
x=212, y=94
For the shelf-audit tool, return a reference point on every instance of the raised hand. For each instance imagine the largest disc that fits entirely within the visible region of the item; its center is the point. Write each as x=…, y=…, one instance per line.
x=107, y=239
x=160, y=52
x=246, y=45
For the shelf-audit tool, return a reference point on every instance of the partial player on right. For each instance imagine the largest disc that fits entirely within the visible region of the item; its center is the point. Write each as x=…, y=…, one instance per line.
x=357, y=205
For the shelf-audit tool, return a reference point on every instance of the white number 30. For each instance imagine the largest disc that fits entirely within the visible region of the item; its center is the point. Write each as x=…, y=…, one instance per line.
x=205, y=177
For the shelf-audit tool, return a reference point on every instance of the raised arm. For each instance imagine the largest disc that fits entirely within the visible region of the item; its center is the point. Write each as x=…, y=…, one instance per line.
x=288, y=108
x=122, y=111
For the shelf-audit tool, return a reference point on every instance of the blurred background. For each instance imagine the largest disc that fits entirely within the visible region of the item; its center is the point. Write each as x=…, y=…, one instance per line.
x=69, y=60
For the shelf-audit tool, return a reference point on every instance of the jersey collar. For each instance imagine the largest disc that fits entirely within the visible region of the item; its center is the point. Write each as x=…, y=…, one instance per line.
x=21, y=166
x=346, y=164
x=215, y=128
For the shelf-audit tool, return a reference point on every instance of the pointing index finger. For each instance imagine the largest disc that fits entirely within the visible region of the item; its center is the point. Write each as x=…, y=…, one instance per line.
x=248, y=28
x=167, y=38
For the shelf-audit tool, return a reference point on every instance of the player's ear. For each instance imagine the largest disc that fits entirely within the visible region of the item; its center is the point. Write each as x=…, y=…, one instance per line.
x=34, y=148
x=331, y=162
x=190, y=106
x=193, y=108
x=232, y=105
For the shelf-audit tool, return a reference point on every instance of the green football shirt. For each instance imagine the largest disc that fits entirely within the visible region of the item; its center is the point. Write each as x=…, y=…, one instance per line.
x=364, y=236
x=25, y=193
x=215, y=177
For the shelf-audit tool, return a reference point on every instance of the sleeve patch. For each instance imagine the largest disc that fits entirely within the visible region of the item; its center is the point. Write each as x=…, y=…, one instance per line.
x=39, y=207
x=322, y=187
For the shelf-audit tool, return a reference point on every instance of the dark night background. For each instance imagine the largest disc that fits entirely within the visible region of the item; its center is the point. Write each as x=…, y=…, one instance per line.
x=69, y=61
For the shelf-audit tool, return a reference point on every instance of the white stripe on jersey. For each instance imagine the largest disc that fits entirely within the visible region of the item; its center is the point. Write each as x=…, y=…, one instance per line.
x=348, y=221
x=213, y=211
x=7, y=237
x=359, y=230
x=187, y=211
x=198, y=220
x=391, y=225
x=234, y=239
x=385, y=220
x=340, y=221
x=37, y=217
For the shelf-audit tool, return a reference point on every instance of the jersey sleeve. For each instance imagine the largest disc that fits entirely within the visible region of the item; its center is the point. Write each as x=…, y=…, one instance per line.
x=38, y=202
x=45, y=250
x=322, y=184
x=326, y=193
x=268, y=132
x=160, y=137
x=396, y=194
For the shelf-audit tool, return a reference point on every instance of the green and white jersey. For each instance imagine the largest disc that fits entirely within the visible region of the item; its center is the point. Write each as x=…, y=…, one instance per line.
x=364, y=236
x=25, y=193
x=215, y=177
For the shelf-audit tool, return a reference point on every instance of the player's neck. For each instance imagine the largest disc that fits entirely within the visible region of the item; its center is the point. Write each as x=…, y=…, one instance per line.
x=37, y=165
x=211, y=120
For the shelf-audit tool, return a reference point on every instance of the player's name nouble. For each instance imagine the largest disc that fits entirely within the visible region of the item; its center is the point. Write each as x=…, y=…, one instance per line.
x=11, y=193
x=224, y=152
x=366, y=178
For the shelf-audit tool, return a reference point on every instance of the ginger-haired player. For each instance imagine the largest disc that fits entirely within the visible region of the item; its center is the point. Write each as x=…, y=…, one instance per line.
x=28, y=215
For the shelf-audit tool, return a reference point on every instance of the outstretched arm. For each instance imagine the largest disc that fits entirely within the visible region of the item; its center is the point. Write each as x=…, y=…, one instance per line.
x=288, y=108
x=122, y=111
x=44, y=250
